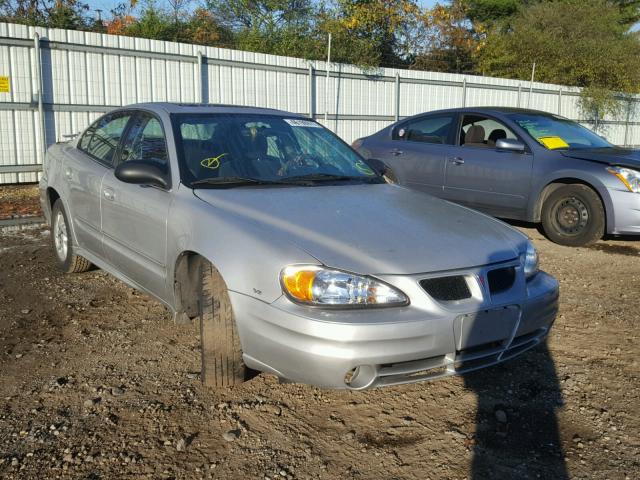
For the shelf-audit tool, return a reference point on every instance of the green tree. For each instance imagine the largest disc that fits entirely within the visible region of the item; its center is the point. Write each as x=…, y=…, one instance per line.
x=70, y=14
x=582, y=43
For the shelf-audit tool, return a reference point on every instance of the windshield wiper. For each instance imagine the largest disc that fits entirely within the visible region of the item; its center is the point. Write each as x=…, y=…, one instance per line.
x=326, y=177
x=232, y=181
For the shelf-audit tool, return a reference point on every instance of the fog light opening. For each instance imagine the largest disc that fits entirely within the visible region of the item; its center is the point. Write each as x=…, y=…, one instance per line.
x=360, y=377
x=351, y=375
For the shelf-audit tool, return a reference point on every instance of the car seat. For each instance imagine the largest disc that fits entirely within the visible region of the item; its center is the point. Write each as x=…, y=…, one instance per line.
x=496, y=135
x=475, y=136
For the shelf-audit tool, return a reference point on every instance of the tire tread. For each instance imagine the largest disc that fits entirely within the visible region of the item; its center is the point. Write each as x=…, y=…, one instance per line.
x=222, y=364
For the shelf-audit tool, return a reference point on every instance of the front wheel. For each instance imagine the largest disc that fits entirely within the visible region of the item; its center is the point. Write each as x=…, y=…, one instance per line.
x=63, y=247
x=222, y=364
x=573, y=215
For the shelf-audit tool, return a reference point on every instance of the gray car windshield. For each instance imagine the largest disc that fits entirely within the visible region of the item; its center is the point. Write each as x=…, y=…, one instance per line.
x=557, y=133
x=247, y=149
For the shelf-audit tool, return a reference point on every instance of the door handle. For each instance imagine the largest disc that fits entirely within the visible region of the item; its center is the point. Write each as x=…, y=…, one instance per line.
x=108, y=194
x=396, y=152
x=68, y=173
x=457, y=160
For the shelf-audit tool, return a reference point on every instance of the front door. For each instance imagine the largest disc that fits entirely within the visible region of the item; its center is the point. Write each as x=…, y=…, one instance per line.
x=84, y=169
x=482, y=177
x=134, y=217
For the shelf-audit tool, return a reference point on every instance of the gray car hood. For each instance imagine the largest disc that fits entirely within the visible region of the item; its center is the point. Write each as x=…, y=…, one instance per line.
x=372, y=228
x=625, y=157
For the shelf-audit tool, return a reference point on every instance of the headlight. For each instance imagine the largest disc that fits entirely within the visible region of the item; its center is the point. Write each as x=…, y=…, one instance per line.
x=314, y=285
x=529, y=261
x=630, y=178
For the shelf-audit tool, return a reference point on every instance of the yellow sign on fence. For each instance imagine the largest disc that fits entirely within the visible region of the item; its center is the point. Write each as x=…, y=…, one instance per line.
x=5, y=85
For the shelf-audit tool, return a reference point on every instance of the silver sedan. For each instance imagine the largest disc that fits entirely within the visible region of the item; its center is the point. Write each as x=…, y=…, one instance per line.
x=295, y=257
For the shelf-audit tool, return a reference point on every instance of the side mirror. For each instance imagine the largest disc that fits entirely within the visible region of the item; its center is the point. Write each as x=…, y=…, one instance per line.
x=141, y=173
x=510, y=145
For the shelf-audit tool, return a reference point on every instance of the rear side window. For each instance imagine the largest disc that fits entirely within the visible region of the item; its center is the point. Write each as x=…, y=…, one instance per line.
x=102, y=138
x=426, y=130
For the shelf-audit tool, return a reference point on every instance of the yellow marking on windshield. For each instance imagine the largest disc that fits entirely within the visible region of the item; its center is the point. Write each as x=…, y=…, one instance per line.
x=212, y=162
x=553, y=142
x=364, y=168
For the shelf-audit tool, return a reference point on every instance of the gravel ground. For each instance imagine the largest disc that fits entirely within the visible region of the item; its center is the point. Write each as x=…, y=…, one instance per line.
x=96, y=382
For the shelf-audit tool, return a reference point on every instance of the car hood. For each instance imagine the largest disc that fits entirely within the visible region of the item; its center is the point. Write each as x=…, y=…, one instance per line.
x=373, y=229
x=624, y=157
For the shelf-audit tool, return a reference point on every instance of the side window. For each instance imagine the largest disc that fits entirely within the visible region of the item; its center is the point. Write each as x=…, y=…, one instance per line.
x=145, y=141
x=102, y=138
x=484, y=132
x=426, y=129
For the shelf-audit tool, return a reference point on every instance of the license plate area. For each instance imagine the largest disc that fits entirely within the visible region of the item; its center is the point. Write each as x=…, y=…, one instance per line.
x=485, y=326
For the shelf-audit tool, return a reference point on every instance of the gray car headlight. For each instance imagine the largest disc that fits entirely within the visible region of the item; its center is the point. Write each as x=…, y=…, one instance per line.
x=630, y=178
x=529, y=260
x=315, y=285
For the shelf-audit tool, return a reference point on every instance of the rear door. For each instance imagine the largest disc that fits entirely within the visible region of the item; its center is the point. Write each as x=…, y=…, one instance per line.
x=134, y=217
x=417, y=149
x=84, y=170
x=482, y=177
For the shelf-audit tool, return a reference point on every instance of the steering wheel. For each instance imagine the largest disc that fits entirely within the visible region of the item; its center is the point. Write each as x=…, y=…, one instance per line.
x=303, y=162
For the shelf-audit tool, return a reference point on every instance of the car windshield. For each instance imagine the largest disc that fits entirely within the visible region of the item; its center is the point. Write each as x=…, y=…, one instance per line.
x=247, y=149
x=555, y=132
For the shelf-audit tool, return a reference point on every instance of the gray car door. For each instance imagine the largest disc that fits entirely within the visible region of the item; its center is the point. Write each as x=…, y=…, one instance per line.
x=134, y=217
x=416, y=151
x=84, y=170
x=482, y=177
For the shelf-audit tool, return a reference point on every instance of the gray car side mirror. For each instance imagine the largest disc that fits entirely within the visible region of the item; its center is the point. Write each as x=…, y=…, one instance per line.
x=141, y=173
x=510, y=145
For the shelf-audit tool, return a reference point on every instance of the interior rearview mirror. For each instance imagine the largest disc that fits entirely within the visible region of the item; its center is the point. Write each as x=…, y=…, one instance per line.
x=141, y=173
x=510, y=144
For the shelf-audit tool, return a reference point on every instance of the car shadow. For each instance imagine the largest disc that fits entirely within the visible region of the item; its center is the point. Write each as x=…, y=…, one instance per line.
x=517, y=434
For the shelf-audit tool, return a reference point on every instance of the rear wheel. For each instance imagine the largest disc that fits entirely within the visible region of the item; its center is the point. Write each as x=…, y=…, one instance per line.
x=63, y=247
x=222, y=364
x=573, y=215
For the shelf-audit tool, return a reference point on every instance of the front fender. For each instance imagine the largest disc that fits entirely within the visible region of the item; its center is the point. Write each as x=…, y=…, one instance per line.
x=248, y=257
x=595, y=177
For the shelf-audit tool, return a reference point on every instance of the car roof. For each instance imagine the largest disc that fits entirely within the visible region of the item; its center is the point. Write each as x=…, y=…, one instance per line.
x=503, y=110
x=169, y=107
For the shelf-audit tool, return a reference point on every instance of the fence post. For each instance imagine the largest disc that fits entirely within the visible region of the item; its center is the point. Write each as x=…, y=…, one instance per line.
x=200, y=98
x=519, y=94
x=397, y=99
x=42, y=123
x=626, y=125
x=311, y=93
x=560, y=102
x=464, y=92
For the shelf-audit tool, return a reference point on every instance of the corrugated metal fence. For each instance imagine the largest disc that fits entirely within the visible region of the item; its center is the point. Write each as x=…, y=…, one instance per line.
x=61, y=80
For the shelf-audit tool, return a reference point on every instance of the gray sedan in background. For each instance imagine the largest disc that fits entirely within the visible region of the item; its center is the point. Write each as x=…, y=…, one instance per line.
x=515, y=164
x=296, y=257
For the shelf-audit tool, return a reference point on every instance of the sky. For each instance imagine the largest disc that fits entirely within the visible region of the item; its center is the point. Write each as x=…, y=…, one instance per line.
x=107, y=5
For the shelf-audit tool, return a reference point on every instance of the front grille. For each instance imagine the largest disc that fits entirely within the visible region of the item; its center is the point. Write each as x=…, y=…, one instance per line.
x=501, y=279
x=447, y=289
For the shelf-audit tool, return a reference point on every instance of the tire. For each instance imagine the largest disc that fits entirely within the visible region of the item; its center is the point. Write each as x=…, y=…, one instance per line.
x=222, y=364
x=61, y=240
x=573, y=215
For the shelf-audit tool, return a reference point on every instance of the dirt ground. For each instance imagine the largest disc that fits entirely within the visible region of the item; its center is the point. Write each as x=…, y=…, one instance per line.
x=96, y=382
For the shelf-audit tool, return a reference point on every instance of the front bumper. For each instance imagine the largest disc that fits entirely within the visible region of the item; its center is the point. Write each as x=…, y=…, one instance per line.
x=625, y=212
x=390, y=346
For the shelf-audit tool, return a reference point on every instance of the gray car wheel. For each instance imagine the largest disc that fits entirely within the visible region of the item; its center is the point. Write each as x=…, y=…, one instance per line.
x=222, y=364
x=573, y=215
x=63, y=247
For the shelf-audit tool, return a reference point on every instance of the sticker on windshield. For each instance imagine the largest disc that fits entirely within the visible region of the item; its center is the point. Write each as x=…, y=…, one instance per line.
x=212, y=162
x=364, y=168
x=299, y=122
x=553, y=142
